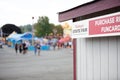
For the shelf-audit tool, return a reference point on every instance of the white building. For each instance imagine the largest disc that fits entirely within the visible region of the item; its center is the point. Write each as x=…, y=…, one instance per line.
x=96, y=34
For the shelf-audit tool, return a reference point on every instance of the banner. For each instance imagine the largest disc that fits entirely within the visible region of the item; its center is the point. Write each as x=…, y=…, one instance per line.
x=108, y=25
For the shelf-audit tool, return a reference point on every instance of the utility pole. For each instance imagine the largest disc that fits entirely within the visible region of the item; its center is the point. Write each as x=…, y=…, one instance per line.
x=32, y=31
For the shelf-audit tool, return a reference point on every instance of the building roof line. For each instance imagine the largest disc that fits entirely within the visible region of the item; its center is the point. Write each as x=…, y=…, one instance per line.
x=91, y=2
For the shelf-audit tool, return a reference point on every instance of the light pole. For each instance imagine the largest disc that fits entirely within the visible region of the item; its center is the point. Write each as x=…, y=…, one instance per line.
x=32, y=30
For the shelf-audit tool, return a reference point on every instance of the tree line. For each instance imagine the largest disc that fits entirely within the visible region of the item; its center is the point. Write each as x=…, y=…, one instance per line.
x=43, y=28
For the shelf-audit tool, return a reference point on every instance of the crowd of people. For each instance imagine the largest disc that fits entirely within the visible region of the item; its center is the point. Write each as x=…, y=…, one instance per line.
x=22, y=47
x=56, y=42
x=53, y=42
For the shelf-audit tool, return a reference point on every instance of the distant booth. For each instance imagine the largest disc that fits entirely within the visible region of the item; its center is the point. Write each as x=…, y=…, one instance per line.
x=14, y=38
x=96, y=44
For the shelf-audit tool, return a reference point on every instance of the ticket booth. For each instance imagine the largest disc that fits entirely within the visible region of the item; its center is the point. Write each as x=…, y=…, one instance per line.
x=96, y=34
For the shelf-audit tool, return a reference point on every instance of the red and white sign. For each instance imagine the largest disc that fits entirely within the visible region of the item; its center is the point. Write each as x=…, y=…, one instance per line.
x=108, y=25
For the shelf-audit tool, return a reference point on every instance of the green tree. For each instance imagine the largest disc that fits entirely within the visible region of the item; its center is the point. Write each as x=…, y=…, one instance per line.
x=59, y=29
x=43, y=27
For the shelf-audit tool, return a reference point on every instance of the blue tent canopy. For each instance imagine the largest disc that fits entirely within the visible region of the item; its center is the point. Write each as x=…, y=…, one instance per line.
x=24, y=36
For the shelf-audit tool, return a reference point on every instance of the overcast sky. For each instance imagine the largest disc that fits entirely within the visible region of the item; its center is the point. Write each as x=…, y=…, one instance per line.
x=20, y=12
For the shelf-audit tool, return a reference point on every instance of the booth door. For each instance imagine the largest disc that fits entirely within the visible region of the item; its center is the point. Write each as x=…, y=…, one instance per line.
x=98, y=58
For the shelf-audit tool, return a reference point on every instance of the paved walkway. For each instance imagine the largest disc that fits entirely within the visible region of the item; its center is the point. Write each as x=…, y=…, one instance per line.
x=51, y=65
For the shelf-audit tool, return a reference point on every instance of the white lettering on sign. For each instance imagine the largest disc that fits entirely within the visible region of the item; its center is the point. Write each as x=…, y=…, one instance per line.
x=115, y=28
x=118, y=19
x=105, y=21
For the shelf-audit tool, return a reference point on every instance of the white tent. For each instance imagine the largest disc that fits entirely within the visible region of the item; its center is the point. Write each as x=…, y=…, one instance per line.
x=11, y=34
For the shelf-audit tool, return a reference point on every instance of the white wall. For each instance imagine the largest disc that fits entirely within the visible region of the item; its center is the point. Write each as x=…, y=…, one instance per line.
x=98, y=58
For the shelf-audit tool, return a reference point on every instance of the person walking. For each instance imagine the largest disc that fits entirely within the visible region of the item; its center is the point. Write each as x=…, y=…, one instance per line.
x=16, y=48
x=54, y=42
x=27, y=44
x=38, y=48
x=35, y=48
x=20, y=48
x=24, y=48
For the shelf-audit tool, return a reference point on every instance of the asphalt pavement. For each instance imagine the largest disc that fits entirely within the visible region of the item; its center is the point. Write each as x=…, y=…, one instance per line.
x=50, y=65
